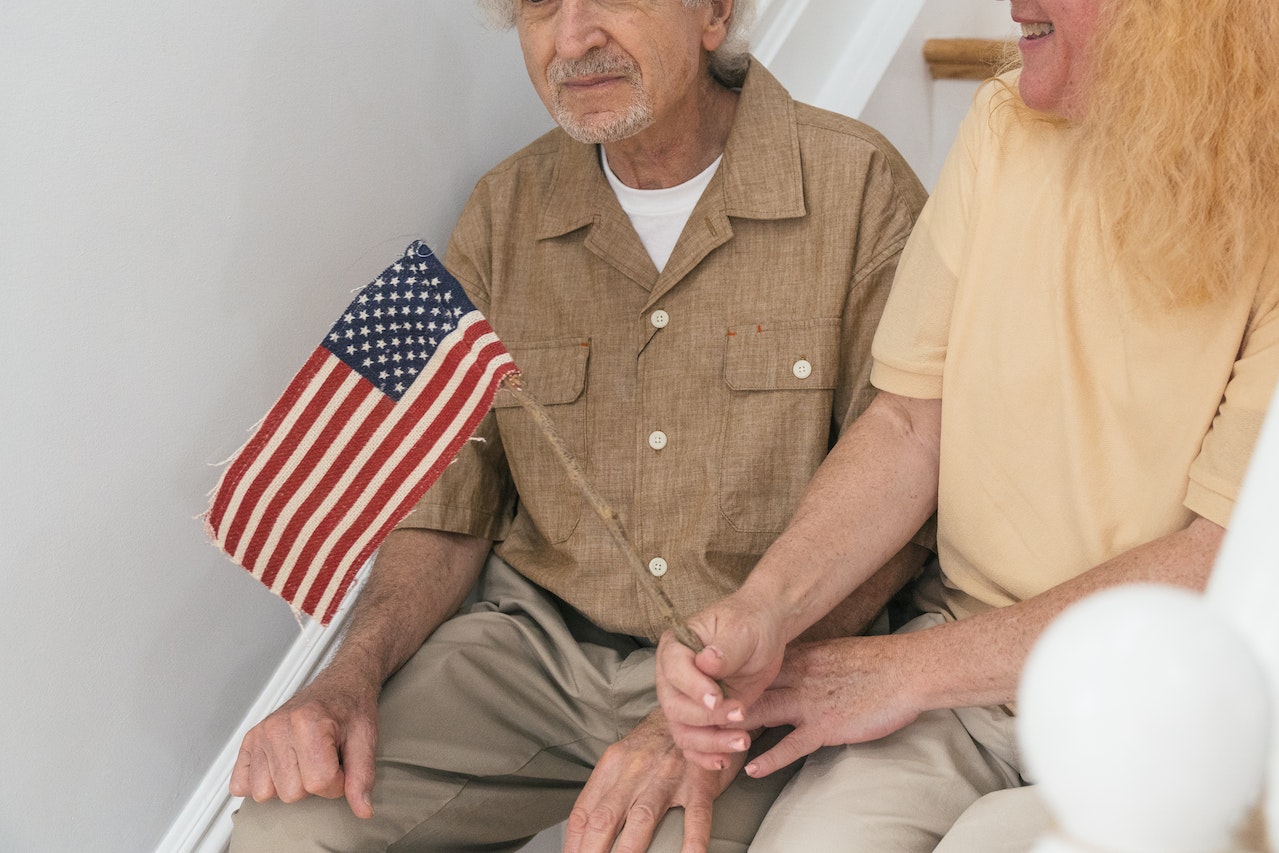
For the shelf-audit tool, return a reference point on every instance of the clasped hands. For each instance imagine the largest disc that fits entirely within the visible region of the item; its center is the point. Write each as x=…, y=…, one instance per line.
x=846, y=690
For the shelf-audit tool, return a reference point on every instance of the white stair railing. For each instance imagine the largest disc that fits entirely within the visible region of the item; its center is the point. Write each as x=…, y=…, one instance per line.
x=832, y=53
x=1245, y=586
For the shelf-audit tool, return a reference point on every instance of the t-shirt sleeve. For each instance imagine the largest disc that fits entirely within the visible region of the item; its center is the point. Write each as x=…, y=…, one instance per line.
x=1218, y=471
x=910, y=345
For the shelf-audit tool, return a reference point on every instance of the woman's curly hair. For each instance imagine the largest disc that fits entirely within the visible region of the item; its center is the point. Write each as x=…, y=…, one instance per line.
x=1179, y=131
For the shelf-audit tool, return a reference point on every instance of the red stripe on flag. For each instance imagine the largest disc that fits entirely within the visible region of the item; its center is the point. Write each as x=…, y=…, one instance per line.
x=452, y=417
x=403, y=421
x=338, y=462
x=347, y=453
x=244, y=459
x=256, y=488
x=476, y=414
x=331, y=435
x=444, y=368
x=349, y=567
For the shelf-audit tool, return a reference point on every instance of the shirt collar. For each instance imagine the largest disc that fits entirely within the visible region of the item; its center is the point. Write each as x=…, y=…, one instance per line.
x=761, y=175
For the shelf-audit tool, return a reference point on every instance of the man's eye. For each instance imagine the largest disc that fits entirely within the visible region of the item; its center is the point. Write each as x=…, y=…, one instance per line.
x=537, y=7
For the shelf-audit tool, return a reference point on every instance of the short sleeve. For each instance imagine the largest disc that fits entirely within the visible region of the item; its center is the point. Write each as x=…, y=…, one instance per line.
x=910, y=345
x=475, y=495
x=891, y=203
x=1218, y=471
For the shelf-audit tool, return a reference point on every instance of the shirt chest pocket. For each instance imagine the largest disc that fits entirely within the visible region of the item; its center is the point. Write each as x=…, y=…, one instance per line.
x=554, y=374
x=781, y=382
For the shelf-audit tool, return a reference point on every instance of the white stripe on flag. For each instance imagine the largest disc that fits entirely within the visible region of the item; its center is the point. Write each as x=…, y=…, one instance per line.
x=313, y=431
x=269, y=450
x=318, y=471
x=392, y=459
x=474, y=400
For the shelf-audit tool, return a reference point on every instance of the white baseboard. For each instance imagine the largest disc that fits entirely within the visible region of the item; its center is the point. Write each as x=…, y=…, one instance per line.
x=204, y=826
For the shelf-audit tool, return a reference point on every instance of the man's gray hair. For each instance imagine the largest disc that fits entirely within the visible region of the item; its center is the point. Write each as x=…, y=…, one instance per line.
x=728, y=64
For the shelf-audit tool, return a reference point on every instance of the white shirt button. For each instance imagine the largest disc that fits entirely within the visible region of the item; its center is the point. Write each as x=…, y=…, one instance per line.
x=802, y=369
x=657, y=439
x=657, y=567
x=659, y=319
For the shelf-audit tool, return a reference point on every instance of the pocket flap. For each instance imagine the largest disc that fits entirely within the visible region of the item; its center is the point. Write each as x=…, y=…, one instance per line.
x=554, y=372
x=793, y=356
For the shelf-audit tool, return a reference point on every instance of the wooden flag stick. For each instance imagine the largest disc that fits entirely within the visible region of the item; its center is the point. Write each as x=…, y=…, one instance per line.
x=605, y=512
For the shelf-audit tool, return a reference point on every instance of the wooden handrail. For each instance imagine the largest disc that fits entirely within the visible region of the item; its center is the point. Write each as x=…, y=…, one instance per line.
x=966, y=59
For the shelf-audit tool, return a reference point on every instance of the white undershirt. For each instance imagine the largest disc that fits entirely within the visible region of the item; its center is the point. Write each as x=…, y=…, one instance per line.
x=659, y=216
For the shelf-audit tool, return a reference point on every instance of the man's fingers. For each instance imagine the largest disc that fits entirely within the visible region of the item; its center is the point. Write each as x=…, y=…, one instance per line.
x=318, y=766
x=262, y=787
x=592, y=827
x=594, y=821
x=263, y=776
x=697, y=825
x=286, y=774
x=710, y=661
x=641, y=822
x=359, y=767
x=789, y=749
x=578, y=821
x=240, y=774
x=252, y=775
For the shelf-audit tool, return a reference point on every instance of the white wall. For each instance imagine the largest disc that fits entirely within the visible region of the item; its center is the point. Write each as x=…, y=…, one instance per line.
x=188, y=194
x=919, y=115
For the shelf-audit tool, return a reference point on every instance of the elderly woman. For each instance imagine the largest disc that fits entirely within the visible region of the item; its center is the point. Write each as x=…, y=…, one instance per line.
x=1080, y=345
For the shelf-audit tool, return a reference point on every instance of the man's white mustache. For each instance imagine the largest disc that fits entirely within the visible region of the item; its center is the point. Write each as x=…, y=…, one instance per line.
x=563, y=70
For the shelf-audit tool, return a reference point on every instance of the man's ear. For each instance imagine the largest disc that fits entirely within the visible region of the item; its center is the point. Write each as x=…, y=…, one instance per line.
x=717, y=28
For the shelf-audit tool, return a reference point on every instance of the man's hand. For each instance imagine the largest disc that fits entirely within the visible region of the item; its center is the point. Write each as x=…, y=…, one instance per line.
x=833, y=692
x=638, y=780
x=318, y=743
x=743, y=653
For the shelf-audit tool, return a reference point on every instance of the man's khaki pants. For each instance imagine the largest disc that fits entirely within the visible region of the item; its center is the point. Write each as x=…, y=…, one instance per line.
x=489, y=732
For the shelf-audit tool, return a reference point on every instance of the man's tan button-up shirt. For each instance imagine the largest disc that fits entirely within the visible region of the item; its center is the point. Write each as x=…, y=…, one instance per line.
x=699, y=400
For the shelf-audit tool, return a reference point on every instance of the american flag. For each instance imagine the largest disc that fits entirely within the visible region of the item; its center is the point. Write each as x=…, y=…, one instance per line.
x=378, y=411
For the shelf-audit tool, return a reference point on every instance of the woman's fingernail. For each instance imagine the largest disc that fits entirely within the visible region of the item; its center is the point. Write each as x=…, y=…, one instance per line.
x=752, y=769
x=742, y=744
x=736, y=715
x=709, y=701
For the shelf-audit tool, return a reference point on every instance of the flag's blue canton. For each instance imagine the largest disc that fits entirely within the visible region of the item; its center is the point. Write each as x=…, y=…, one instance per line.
x=392, y=328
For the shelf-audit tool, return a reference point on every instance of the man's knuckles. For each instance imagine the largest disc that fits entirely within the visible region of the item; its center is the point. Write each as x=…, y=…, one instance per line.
x=644, y=814
x=598, y=818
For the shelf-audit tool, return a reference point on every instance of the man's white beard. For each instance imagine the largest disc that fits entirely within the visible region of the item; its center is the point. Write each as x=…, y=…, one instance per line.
x=637, y=115
x=598, y=129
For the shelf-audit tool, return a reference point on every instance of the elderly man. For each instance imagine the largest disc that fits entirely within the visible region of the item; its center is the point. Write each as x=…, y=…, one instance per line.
x=689, y=273
x=1080, y=345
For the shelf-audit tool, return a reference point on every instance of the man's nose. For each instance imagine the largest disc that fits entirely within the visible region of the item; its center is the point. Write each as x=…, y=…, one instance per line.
x=579, y=28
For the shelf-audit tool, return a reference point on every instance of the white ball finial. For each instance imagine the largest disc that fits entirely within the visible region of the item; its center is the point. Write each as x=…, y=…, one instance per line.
x=1143, y=716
